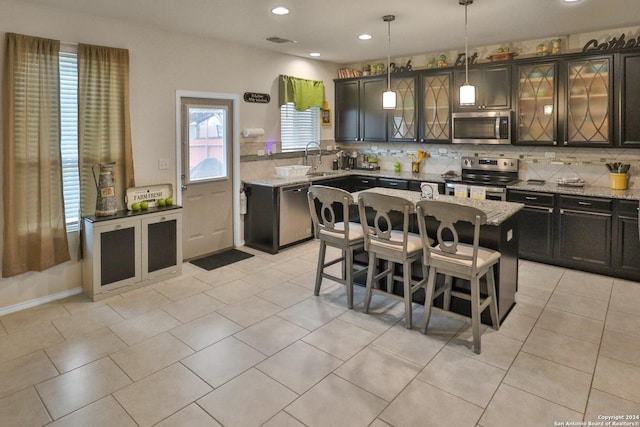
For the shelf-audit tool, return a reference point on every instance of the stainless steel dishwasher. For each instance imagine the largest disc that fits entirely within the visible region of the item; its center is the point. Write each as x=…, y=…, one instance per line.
x=295, y=218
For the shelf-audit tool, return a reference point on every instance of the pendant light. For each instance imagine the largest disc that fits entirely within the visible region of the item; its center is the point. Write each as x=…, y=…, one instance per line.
x=467, y=91
x=389, y=97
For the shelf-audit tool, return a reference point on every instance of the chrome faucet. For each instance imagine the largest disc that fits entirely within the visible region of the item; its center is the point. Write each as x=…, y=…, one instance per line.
x=306, y=155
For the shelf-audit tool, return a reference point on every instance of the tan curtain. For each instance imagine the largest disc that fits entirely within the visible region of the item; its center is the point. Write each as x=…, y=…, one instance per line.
x=34, y=236
x=104, y=128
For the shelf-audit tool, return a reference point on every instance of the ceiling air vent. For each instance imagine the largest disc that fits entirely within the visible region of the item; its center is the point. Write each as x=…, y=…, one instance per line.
x=279, y=40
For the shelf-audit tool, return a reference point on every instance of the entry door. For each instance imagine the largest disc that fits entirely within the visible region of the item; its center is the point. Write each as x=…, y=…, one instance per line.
x=207, y=178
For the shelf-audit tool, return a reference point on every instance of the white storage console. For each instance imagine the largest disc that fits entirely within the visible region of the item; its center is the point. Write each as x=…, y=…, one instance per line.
x=130, y=250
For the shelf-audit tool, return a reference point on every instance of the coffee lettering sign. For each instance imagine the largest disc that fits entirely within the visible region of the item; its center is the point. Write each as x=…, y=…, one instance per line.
x=260, y=98
x=613, y=44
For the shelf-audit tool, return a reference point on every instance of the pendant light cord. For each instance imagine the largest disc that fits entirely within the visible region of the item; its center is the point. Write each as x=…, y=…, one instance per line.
x=388, y=19
x=466, y=47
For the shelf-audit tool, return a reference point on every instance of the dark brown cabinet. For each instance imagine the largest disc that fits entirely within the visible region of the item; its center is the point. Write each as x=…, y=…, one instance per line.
x=435, y=108
x=587, y=101
x=359, y=115
x=493, y=87
x=403, y=120
x=627, y=242
x=628, y=84
x=398, y=184
x=584, y=232
x=536, y=103
x=536, y=223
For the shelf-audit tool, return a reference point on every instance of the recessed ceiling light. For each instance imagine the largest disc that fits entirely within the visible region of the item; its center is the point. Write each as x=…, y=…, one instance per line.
x=571, y=1
x=314, y=54
x=280, y=10
x=364, y=36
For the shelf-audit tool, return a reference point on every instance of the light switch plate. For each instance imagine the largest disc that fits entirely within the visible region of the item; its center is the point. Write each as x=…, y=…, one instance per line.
x=260, y=152
x=163, y=164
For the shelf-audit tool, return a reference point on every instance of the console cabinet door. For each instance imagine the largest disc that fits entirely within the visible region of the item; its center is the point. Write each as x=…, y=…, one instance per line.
x=112, y=251
x=161, y=244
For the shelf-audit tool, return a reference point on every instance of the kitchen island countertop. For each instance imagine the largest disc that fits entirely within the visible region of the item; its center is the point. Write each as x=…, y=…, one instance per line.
x=497, y=212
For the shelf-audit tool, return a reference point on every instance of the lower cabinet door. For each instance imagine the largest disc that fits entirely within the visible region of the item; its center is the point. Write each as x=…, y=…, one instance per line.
x=536, y=233
x=585, y=238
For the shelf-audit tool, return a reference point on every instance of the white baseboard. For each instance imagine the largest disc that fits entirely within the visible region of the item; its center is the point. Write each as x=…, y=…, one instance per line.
x=38, y=301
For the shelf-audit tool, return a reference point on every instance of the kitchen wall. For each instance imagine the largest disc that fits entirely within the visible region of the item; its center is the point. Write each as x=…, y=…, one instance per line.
x=161, y=63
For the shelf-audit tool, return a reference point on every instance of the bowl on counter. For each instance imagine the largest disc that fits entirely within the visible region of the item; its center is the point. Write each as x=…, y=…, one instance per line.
x=292, y=171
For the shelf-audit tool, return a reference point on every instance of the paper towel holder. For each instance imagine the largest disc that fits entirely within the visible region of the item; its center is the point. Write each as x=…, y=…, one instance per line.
x=252, y=132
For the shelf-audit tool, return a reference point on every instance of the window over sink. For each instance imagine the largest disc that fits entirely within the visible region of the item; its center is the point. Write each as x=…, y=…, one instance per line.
x=298, y=128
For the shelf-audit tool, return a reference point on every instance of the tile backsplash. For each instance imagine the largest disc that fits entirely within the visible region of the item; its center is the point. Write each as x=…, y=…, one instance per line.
x=547, y=163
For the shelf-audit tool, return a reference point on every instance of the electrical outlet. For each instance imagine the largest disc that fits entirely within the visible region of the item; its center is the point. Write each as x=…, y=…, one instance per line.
x=163, y=164
x=329, y=147
x=260, y=152
x=442, y=150
x=550, y=154
x=374, y=148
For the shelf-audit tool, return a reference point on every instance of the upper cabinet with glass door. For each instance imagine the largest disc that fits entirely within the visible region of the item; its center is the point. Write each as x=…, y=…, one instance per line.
x=537, y=104
x=435, y=114
x=589, y=102
x=403, y=119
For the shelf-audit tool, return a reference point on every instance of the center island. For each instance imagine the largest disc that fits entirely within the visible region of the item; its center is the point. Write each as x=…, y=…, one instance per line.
x=499, y=233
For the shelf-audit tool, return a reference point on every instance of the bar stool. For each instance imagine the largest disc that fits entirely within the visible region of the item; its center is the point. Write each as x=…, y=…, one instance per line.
x=394, y=246
x=332, y=228
x=455, y=259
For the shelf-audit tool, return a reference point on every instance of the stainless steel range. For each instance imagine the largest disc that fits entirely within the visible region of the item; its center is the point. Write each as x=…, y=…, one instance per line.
x=494, y=174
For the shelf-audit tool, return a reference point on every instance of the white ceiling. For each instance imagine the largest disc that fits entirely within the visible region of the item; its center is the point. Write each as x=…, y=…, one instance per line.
x=331, y=27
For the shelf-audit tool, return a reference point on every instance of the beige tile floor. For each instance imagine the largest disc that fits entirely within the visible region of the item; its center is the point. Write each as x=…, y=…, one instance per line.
x=249, y=345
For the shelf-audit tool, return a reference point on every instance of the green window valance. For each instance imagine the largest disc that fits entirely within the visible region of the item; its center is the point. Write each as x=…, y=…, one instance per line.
x=303, y=93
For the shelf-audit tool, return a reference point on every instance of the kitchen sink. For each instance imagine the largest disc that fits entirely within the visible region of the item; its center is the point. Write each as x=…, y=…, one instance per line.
x=325, y=173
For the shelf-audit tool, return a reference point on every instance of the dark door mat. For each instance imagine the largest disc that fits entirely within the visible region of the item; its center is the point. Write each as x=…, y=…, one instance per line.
x=221, y=259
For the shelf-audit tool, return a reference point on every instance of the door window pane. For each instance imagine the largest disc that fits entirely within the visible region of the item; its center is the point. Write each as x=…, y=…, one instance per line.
x=207, y=152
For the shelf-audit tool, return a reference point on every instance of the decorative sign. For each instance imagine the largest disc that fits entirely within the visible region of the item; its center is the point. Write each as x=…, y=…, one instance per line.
x=402, y=68
x=260, y=98
x=325, y=117
x=460, y=59
x=613, y=44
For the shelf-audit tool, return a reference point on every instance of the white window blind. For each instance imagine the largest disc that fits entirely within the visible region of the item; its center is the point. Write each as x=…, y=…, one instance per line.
x=69, y=138
x=298, y=128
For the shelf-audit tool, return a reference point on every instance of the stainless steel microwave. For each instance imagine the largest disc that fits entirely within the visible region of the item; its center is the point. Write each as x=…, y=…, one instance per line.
x=481, y=127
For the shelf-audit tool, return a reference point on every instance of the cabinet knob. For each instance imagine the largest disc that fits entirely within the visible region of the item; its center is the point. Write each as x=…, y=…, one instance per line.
x=555, y=142
x=566, y=143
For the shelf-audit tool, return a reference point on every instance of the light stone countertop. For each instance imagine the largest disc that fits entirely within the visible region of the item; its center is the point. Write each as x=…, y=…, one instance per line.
x=549, y=187
x=497, y=211
x=275, y=181
x=587, y=190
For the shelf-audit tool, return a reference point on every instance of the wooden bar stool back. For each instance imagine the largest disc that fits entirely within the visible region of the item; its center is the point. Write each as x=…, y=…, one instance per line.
x=329, y=208
x=382, y=242
x=452, y=258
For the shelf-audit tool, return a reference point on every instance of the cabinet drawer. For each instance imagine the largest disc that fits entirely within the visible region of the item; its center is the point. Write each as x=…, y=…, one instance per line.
x=400, y=184
x=586, y=204
x=628, y=208
x=531, y=198
x=362, y=182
